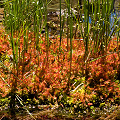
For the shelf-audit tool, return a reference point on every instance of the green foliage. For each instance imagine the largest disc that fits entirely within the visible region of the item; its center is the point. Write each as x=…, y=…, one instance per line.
x=4, y=102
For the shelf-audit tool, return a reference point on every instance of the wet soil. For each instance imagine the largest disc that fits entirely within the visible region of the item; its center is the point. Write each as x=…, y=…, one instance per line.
x=61, y=114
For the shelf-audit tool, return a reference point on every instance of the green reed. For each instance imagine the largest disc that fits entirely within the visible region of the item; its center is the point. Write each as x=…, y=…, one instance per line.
x=21, y=16
x=60, y=24
x=99, y=30
x=69, y=36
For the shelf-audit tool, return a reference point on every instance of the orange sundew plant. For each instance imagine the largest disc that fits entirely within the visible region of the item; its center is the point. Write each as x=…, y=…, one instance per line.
x=51, y=79
x=107, y=76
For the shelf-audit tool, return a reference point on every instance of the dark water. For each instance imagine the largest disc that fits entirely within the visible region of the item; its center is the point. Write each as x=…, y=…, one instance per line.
x=55, y=4
x=54, y=7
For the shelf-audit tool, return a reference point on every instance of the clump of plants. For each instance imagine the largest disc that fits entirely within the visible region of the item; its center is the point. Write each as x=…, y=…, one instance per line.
x=75, y=74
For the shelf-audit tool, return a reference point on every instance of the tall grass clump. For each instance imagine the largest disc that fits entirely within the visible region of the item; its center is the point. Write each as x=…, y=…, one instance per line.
x=21, y=17
x=100, y=30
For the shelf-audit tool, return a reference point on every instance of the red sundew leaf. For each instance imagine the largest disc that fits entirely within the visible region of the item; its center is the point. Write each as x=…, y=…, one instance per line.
x=42, y=86
x=56, y=70
x=90, y=88
x=112, y=100
x=101, y=97
x=40, y=72
x=9, y=52
x=107, y=82
x=117, y=89
x=37, y=79
x=27, y=57
x=101, y=80
x=90, y=104
x=102, y=85
x=110, y=89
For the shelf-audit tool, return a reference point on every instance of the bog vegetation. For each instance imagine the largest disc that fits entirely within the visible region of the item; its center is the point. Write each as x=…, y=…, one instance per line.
x=76, y=67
